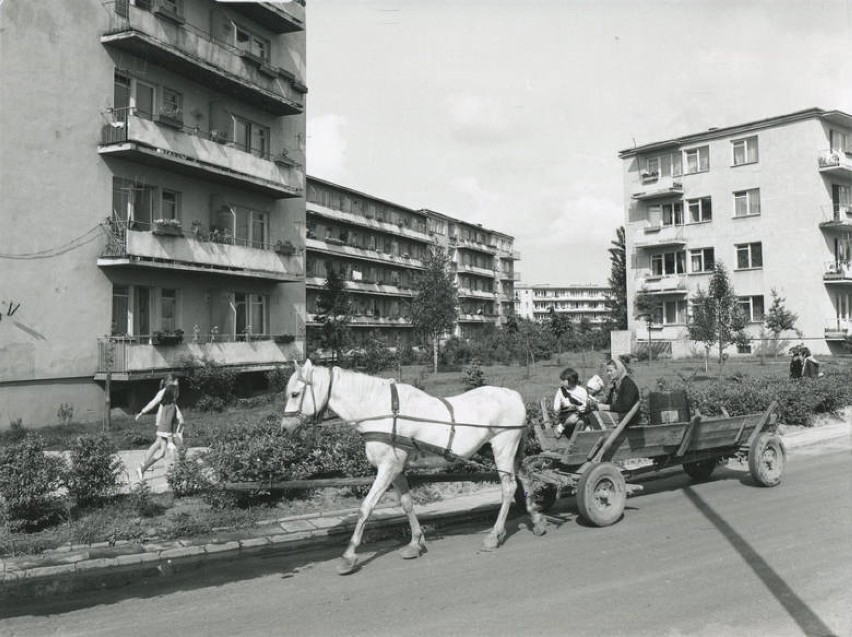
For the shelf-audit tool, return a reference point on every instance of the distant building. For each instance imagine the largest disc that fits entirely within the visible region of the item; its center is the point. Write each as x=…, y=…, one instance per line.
x=771, y=199
x=574, y=300
x=377, y=246
x=153, y=183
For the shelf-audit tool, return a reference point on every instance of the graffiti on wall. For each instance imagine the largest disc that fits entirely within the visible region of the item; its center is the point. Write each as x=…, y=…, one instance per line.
x=8, y=309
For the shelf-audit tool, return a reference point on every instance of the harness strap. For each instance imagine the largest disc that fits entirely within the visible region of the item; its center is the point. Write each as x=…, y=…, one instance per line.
x=394, y=408
x=447, y=452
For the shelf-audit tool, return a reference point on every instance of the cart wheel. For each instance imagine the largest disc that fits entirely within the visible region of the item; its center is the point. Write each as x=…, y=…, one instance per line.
x=543, y=495
x=766, y=459
x=700, y=469
x=601, y=494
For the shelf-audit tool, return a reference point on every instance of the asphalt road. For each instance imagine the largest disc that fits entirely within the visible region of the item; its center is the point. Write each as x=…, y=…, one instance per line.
x=714, y=559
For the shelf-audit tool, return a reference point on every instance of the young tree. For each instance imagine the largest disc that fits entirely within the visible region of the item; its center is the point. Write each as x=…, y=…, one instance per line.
x=435, y=304
x=779, y=319
x=335, y=313
x=617, y=298
x=561, y=326
x=647, y=307
x=716, y=316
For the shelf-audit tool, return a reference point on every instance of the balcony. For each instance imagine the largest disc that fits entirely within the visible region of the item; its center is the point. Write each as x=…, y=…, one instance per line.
x=659, y=236
x=475, y=245
x=369, y=320
x=835, y=163
x=136, y=357
x=476, y=294
x=472, y=269
x=838, y=329
x=384, y=289
x=837, y=217
x=143, y=249
x=665, y=284
x=398, y=230
x=186, y=150
x=661, y=188
x=196, y=55
x=335, y=246
x=838, y=272
x=277, y=17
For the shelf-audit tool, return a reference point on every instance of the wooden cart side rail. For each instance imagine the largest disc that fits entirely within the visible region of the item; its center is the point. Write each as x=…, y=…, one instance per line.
x=764, y=422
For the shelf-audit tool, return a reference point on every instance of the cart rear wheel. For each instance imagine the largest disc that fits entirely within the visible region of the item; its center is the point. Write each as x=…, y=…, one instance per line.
x=767, y=458
x=700, y=469
x=543, y=495
x=601, y=494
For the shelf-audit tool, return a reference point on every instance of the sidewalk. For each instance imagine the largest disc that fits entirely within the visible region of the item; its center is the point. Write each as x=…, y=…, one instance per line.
x=88, y=567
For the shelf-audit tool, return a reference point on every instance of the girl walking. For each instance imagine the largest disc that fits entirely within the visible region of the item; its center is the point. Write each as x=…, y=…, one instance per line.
x=169, y=419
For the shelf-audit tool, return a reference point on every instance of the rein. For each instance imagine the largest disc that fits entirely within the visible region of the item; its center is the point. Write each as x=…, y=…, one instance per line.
x=319, y=413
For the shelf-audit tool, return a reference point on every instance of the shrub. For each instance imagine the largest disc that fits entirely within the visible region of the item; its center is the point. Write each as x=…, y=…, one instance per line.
x=210, y=403
x=209, y=379
x=278, y=378
x=142, y=503
x=186, y=476
x=29, y=480
x=474, y=377
x=377, y=357
x=17, y=431
x=93, y=474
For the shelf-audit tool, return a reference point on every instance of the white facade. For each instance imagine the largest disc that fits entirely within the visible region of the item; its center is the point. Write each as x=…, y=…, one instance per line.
x=575, y=300
x=770, y=199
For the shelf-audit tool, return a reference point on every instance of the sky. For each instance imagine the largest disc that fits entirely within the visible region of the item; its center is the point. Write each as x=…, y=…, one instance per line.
x=512, y=114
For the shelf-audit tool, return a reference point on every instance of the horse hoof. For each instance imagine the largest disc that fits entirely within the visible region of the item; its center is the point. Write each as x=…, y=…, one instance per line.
x=346, y=565
x=412, y=551
x=493, y=542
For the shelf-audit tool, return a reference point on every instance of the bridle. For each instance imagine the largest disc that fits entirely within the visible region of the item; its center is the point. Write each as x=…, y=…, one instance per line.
x=319, y=414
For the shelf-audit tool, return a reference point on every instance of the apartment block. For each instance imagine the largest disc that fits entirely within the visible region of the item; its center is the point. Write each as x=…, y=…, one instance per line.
x=771, y=199
x=576, y=301
x=378, y=247
x=153, y=187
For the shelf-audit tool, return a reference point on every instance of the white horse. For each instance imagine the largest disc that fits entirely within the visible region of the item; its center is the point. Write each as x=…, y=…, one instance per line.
x=398, y=420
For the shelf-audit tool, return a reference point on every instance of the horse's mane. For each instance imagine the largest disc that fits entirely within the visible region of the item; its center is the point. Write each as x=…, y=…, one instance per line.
x=364, y=382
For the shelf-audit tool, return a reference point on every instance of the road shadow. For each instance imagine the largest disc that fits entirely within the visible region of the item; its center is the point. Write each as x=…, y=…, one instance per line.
x=802, y=614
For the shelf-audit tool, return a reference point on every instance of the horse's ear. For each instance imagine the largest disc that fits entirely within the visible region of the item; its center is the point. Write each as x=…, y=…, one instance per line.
x=307, y=369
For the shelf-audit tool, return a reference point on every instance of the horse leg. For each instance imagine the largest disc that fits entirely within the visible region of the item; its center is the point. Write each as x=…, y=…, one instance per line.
x=388, y=470
x=417, y=546
x=504, y=458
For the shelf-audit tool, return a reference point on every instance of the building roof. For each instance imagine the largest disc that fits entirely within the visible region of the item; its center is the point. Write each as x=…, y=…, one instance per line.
x=363, y=194
x=833, y=116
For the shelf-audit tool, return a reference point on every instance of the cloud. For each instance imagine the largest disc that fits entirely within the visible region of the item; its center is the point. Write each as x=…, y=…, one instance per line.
x=326, y=148
x=483, y=204
x=478, y=120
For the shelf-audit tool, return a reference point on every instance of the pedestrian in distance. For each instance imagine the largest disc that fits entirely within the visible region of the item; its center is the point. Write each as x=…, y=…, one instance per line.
x=169, y=423
x=796, y=363
x=810, y=367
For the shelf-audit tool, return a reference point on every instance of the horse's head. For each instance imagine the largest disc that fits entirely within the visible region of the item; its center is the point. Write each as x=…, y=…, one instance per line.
x=303, y=399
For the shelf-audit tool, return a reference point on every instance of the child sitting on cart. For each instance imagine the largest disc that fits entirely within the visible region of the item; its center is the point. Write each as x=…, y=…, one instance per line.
x=571, y=403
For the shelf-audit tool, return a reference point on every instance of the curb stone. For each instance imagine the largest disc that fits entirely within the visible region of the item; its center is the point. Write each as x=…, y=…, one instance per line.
x=70, y=568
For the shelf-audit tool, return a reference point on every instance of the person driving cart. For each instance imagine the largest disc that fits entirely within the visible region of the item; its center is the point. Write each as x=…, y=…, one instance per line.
x=571, y=403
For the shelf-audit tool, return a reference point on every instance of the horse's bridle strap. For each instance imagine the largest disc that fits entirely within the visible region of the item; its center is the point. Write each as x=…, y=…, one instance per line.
x=449, y=407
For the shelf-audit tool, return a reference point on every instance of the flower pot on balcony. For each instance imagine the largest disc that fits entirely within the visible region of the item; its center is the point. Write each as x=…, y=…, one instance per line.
x=167, y=338
x=170, y=227
x=285, y=248
x=284, y=338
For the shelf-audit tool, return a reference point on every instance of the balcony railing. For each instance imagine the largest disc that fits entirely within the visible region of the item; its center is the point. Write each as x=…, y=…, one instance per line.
x=339, y=247
x=661, y=188
x=277, y=17
x=835, y=162
x=838, y=329
x=133, y=242
x=132, y=133
x=838, y=271
x=137, y=355
x=663, y=284
x=196, y=54
x=836, y=217
x=657, y=235
x=418, y=233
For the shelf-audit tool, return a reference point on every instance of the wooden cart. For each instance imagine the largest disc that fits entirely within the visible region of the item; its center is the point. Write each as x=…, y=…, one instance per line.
x=598, y=465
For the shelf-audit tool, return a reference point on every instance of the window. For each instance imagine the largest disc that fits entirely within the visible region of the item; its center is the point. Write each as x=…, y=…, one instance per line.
x=251, y=314
x=697, y=160
x=170, y=206
x=652, y=168
x=701, y=260
x=250, y=137
x=747, y=203
x=673, y=312
x=168, y=310
x=672, y=165
x=752, y=308
x=121, y=95
x=668, y=263
x=143, y=99
x=749, y=256
x=673, y=214
x=142, y=311
x=700, y=210
x=172, y=105
x=744, y=151
x=133, y=203
x=250, y=226
x=840, y=141
x=841, y=199
x=251, y=43
x=120, y=311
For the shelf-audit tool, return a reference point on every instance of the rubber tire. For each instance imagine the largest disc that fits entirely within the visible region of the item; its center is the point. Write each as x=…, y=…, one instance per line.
x=601, y=494
x=767, y=458
x=700, y=470
x=544, y=496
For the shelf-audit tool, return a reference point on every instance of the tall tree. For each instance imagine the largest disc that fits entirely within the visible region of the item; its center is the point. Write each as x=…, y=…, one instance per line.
x=335, y=313
x=434, y=308
x=617, y=297
x=701, y=325
x=717, y=316
x=647, y=307
x=779, y=319
x=561, y=326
